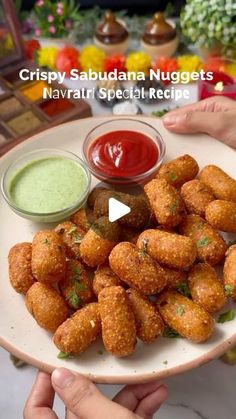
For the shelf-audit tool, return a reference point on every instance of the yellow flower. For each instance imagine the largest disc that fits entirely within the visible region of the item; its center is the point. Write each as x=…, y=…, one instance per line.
x=231, y=70
x=92, y=57
x=138, y=61
x=189, y=63
x=47, y=57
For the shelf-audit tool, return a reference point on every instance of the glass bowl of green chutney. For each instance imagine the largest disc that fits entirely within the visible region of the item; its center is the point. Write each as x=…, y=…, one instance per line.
x=46, y=185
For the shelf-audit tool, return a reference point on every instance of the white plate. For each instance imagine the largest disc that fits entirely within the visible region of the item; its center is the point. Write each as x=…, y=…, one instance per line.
x=19, y=332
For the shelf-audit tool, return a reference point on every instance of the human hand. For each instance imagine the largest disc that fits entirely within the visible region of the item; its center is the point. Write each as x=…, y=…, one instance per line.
x=215, y=116
x=84, y=401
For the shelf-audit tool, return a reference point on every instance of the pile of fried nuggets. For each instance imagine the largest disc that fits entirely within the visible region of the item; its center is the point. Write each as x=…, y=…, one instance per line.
x=132, y=262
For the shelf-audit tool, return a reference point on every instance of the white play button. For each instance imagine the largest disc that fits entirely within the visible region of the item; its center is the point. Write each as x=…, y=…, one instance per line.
x=116, y=210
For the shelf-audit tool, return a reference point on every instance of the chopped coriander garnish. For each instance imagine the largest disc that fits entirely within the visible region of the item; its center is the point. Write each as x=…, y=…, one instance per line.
x=180, y=310
x=77, y=238
x=80, y=287
x=231, y=243
x=229, y=290
x=183, y=289
x=63, y=355
x=73, y=299
x=174, y=207
x=170, y=333
x=161, y=112
x=100, y=352
x=46, y=242
x=165, y=362
x=227, y=316
x=173, y=176
x=204, y=241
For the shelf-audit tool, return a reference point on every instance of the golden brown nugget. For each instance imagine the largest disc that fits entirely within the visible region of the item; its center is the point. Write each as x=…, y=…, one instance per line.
x=186, y=317
x=104, y=277
x=165, y=202
x=76, y=287
x=196, y=197
x=83, y=218
x=149, y=324
x=71, y=236
x=139, y=215
x=46, y=306
x=206, y=289
x=129, y=235
x=118, y=322
x=48, y=257
x=137, y=269
x=211, y=246
x=93, y=195
x=220, y=183
x=19, y=262
x=230, y=272
x=175, y=277
x=179, y=171
x=77, y=333
x=168, y=249
x=99, y=241
x=222, y=215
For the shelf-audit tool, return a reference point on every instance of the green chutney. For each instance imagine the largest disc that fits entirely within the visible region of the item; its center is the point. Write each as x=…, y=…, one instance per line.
x=48, y=185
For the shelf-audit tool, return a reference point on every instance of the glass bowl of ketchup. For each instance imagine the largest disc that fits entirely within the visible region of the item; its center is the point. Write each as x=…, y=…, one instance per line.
x=124, y=150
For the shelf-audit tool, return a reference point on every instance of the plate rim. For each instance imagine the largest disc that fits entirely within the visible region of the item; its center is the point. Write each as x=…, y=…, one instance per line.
x=217, y=351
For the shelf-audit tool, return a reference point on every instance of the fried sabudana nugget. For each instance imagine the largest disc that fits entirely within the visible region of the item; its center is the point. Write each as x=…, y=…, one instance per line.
x=180, y=170
x=83, y=218
x=230, y=272
x=206, y=289
x=48, y=257
x=169, y=249
x=104, y=277
x=19, y=262
x=77, y=333
x=196, y=197
x=99, y=241
x=149, y=324
x=71, y=236
x=211, y=246
x=76, y=287
x=137, y=269
x=118, y=322
x=220, y=183
x=186, y=317
x=139, y=215
x=222, y=215
x=93, y=195
x=175, y=277
x=46, y=306
x=165, y=202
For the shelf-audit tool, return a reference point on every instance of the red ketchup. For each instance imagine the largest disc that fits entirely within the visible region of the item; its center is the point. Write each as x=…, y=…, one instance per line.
x=123, y=153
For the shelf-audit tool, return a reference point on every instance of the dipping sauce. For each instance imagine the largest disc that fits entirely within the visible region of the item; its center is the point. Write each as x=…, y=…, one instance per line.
x=123, y=153
x=48, y=185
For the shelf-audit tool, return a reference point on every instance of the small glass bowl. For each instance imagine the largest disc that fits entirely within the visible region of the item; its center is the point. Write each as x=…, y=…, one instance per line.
x=35, y=155
x=118, y=124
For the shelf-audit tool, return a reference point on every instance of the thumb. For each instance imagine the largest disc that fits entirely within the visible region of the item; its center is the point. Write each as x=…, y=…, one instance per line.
x=193, y=121
x=82, y=397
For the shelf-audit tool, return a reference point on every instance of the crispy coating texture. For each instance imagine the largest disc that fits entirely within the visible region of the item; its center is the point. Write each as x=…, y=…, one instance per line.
x=99, y=241
x=222, y=215
x=19, y=265
x=180, y=170
x=46, y=306
x=118, y=322
x=211, y=246
x=219, y=182
x=165, y=202
x=149, y=324
x=175, y=277
x=48, y=257
x=230, y=272
x=93, y=195
x=140, y=210
x=71, y=236
x=206, y=289
x=104, y=277
x=137, y=269
x=169, y=249
x=77, y=333
x=83, y=218
x=186, y=317
x=196, y=197
x=76, y=287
